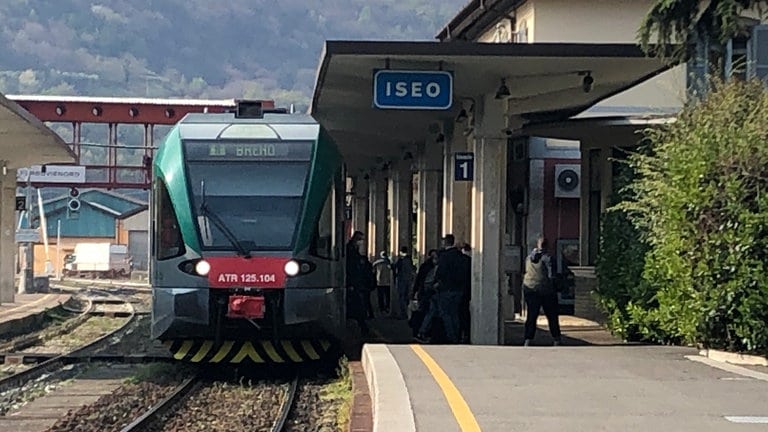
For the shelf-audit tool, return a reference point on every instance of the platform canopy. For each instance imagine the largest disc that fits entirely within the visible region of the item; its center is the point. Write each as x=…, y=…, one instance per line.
x=25, y=140
x=618, y=128
x=545, y=82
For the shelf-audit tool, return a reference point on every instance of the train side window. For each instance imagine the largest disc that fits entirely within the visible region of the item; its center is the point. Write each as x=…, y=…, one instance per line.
x=169, y=242
x=322, y=240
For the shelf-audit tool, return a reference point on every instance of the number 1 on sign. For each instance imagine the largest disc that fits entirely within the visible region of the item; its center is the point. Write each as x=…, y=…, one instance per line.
x=464, y=169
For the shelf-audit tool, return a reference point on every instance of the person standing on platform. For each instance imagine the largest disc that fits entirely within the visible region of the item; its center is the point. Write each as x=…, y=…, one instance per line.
x=382, y=267
x=429, y=295
x=539, y=292
x=357, y=281
x=421, y=294
x=404, y=272
x=451, y=280
x=429, y=262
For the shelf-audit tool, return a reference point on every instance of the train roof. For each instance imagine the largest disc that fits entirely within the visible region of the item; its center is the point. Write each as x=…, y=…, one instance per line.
x=206, y=126
x=229, y=118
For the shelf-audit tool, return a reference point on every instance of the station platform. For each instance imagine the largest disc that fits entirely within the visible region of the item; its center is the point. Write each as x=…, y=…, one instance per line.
x=26, y=311
x=591, y=383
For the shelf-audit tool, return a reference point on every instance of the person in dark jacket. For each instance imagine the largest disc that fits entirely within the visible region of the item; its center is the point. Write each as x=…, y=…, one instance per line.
x=358, y=281
x=429, y=295
x=403, y=273
x=418, y=284
x=452, y=282
x=539, y=291
x=422, y=294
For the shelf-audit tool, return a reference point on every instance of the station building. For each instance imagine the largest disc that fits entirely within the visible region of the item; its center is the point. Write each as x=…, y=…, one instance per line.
x=25, y=141
x=543, y=93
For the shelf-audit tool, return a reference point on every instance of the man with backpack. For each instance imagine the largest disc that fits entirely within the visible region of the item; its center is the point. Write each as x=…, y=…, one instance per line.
x=540, y=292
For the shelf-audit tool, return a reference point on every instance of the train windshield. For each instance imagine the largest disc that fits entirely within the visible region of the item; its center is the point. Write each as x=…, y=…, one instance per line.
x=254, y=191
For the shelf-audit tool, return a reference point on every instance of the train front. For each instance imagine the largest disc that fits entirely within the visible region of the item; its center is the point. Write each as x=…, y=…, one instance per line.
x=246, y=247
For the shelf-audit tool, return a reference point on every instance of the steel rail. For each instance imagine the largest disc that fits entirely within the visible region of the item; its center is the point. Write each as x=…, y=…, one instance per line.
x=57, y=362
x=286, y=406
x=23, y=342
x=66, y=284
x=187, y=387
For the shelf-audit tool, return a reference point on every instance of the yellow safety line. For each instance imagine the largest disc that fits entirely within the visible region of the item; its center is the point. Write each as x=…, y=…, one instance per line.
x=459, y=407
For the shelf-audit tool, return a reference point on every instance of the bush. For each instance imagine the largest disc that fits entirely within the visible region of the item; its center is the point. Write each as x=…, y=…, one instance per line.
x=700, y=206
x=620, y=262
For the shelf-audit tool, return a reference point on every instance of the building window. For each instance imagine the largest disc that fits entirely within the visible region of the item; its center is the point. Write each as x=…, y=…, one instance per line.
x=168, y=240
x=323, y=240
x=745, y=56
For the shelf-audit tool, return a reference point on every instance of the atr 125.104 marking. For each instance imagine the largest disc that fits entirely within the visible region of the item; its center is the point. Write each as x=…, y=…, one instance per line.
x=247, y=278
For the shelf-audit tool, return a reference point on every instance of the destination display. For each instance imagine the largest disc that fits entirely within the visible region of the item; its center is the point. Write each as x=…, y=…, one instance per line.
x=247, y=151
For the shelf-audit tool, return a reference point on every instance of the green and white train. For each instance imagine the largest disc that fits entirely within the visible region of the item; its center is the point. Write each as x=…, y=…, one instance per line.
x=247, y=238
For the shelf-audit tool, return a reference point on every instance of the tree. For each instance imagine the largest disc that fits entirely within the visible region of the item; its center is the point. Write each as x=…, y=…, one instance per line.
x=679, y=21
x=699, y=202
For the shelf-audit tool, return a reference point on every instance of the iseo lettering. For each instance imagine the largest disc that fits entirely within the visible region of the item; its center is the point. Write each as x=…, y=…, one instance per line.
x=414, y=89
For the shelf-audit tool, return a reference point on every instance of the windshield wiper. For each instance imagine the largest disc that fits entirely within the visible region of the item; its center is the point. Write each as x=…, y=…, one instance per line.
x=205, y=211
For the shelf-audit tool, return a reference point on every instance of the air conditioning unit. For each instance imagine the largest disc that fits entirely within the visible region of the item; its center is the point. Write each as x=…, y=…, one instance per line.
x=567, y=181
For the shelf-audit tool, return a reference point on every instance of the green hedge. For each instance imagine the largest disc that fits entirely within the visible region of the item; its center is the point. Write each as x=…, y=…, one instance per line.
x=620, y=262
x=695, y=214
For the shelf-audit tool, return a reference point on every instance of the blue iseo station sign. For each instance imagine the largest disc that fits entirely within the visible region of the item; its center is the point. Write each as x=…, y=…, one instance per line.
x=412, y=90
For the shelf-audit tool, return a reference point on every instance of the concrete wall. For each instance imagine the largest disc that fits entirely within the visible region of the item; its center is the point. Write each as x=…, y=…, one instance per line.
x=596, y=21
x=556, y=218
x=137, y=222
x=609, y=21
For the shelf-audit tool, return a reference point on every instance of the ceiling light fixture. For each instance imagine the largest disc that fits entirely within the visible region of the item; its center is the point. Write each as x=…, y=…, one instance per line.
x=503, y=90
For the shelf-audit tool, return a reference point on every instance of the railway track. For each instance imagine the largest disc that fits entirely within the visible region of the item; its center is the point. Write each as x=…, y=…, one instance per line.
x=154, y=417
x=60, y=360
x=22, y=342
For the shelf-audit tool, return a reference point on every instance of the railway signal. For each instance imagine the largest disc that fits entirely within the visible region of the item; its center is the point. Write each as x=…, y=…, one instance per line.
x=73, y=206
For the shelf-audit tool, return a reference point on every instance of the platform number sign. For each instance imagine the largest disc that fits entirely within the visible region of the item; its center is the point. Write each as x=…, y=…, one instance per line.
x=21, y=203
x=464, y=166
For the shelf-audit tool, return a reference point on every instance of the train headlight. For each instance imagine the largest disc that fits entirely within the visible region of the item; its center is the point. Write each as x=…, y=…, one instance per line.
x=202, y=267
x=291, y=268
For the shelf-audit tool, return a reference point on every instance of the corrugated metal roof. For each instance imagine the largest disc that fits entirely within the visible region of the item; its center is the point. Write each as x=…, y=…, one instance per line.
x=103, y=208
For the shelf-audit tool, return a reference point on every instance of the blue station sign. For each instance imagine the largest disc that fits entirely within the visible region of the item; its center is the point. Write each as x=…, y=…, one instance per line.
x=412, y=90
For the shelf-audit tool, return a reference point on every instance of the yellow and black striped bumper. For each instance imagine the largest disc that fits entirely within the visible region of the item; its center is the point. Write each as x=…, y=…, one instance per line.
x=260, y=351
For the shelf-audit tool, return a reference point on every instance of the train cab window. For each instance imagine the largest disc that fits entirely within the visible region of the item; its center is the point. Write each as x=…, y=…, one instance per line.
x=169, y=243
x=322, y=240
